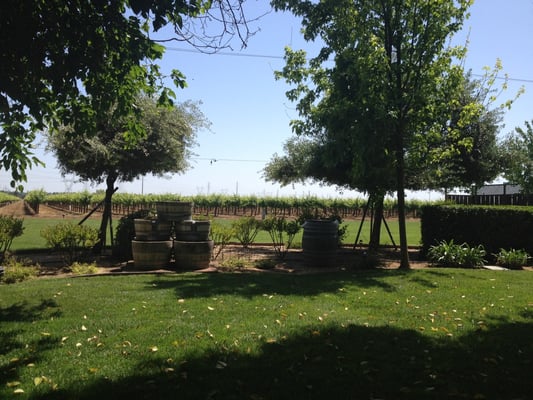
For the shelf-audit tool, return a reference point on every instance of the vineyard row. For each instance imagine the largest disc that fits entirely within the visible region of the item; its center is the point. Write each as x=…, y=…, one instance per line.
x=220, y=205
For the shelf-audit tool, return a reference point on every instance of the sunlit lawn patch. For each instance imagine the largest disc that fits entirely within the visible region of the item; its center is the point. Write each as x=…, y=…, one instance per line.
x=31, y=238
x=376, y=334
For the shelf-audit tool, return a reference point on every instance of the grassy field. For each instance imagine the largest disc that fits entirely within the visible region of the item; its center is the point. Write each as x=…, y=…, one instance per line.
x=31, y=239
x=424, y=334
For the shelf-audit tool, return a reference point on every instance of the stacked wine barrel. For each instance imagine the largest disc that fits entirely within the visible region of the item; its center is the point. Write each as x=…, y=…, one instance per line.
x=173, y=232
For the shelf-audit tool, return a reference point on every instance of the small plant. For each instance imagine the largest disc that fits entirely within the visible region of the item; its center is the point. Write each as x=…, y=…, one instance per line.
x=450, y=254
x=72, y=239
x=78, y=268
x=10, y=228
x=473, y=257
x=512, y=259
x=265, y=263
x=18, y=270
x=232, y=264
x=221, y=236
x=277, y=228
x=246, y=229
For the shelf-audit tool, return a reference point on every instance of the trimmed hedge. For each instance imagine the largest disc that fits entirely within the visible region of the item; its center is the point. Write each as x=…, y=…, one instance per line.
x=494, y=227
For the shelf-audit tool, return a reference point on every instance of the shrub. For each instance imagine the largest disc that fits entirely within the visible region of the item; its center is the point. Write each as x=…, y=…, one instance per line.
x=18, y=270
x=232, y=263
x=246, y=229
x=221, y=236
x=265, y=263
x=10, y=228
x=450, y=254
x=277, y=228
x=512, y=259
x=71, y=239
x=78, y=268
x=125, y=233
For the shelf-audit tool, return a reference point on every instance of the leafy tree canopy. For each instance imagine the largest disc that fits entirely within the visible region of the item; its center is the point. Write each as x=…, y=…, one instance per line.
x=66, y=61
x=165, y=148
x=385, y=90
x=517, y=150
x=465, y=152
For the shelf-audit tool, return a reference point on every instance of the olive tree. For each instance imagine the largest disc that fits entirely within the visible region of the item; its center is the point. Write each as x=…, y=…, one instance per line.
x=106, y=156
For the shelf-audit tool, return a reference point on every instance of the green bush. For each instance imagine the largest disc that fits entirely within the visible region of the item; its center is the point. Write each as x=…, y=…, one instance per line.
x=73, y=240
x=125, y=233
x=221, y=235
x=10, y=228
x=78, y=268
x=246, y=229
x=232, y=264
x=18, y=271
x=282, y=233
x=266, y=263
x=512, y=259
x=450, y=254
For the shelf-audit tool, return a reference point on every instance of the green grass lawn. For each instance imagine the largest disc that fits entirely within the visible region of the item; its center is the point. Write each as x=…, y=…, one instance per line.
x=424, y=334
x=31, y=239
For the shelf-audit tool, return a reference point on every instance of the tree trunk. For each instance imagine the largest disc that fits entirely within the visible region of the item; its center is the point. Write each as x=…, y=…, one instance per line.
x=377, y=206
x=106, y=215
x=400, y=177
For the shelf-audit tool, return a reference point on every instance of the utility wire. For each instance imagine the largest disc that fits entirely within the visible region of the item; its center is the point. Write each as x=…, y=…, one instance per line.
x=214, y=160
x=225, y=53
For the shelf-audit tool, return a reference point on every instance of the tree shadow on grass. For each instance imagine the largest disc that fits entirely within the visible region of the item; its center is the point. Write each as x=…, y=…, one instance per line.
x=253, y=284
x=10, y=337
x=353, y=362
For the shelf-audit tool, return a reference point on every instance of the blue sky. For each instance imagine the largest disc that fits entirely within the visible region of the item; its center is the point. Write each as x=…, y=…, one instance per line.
x=250, y=114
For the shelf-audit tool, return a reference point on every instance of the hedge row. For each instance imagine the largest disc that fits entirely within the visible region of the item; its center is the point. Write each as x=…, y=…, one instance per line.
x=493, y=227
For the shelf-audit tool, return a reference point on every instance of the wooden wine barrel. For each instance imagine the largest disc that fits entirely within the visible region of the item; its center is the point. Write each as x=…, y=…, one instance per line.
x=150, y=229
x=320, y=242
x=149, y=255
x=193, y=255
x=192, y=231
x=174, y=210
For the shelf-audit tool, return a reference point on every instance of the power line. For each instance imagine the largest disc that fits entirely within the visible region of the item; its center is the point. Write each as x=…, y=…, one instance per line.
x=269, y=56
x=225, y=53
x=214, y=160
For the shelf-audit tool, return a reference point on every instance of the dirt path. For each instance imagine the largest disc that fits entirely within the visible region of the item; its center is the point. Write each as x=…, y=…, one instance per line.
x=22, y=209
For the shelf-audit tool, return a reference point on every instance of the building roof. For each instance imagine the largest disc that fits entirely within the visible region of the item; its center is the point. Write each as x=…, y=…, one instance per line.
x=499, y=189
